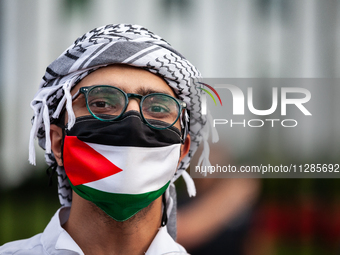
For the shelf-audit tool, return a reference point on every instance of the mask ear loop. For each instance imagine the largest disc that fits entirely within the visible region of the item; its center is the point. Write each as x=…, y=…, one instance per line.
x=50, y=171
x=63, y=129
x=60, y=123
x=164, y=216
x=184, y=117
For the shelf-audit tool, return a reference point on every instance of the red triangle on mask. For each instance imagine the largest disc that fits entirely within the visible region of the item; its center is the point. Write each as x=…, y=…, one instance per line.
x=83, y=164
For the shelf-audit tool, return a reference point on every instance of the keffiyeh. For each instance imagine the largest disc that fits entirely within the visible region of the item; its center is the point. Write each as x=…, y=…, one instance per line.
x=112, y=44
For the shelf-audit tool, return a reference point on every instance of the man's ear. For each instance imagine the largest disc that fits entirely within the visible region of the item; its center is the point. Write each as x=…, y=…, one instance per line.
x=56, y=134
x=185, y=148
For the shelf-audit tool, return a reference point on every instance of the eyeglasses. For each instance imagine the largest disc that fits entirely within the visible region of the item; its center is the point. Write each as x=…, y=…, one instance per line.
x=108, y=103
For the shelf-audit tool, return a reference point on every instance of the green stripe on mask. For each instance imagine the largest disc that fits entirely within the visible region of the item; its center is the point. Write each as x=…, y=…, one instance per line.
x=120, y=207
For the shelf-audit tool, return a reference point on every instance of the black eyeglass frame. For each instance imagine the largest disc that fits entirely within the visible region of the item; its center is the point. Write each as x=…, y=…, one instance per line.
x=86, y=90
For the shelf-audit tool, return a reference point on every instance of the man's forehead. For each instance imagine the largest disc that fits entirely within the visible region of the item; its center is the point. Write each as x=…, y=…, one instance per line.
x=128, y=78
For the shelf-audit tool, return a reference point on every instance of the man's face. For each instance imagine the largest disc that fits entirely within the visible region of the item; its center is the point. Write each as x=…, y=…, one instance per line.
x=127, y=78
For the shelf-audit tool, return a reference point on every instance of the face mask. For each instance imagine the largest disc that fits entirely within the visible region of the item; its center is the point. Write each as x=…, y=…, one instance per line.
x=120, y=166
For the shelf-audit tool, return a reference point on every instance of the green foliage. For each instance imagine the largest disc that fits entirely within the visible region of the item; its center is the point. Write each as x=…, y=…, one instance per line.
x=26, y=210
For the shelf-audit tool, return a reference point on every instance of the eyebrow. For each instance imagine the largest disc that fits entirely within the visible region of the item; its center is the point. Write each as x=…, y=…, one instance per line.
x=146, y=91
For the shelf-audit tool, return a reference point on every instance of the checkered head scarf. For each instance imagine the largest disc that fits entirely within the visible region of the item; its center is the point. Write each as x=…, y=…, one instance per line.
x=116, y=44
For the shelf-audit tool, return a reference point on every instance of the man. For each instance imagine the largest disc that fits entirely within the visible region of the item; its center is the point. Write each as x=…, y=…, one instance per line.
x=111, y=113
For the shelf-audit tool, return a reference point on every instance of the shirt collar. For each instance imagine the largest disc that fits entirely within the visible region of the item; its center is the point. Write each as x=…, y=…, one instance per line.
x=56, y=240
x=164, y=244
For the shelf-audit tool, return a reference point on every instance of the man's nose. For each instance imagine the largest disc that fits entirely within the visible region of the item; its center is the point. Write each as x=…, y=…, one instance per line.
x=133, y=105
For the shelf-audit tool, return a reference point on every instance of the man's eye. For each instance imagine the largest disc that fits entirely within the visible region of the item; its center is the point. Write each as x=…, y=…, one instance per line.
x=158, y=108
x=100, y=104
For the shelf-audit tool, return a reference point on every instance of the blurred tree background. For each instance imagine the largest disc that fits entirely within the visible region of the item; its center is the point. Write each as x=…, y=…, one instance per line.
x=232, y=38
x=25, y=210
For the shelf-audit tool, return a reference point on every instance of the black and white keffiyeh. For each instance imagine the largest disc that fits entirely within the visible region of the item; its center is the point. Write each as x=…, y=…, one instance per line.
x=124, y=44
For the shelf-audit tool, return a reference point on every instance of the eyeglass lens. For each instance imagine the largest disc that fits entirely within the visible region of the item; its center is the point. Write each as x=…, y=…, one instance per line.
x=160, y=107
x=105, y=102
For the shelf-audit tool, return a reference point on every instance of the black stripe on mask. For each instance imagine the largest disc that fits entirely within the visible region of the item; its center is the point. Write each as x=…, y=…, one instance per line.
x=129, y=130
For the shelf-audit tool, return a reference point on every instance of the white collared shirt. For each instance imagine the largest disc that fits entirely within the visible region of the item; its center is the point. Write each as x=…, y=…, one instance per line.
x=56, y=241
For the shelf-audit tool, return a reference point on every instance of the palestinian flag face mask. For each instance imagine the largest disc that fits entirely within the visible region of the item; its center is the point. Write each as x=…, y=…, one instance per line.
x=121, y=166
